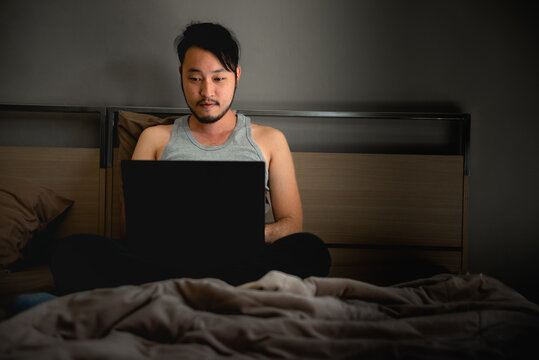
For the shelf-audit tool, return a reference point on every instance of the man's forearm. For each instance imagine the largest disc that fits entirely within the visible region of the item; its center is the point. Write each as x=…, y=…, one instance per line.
x=281, y=228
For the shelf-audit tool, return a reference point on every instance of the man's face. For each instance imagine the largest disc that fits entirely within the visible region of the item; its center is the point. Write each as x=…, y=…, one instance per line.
x=207, y=86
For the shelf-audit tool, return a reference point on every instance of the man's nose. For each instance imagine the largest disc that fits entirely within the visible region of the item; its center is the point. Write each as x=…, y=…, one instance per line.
x=207, y=88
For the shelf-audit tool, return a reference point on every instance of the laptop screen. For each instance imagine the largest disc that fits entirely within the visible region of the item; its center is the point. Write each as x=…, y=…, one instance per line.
x=194, y=213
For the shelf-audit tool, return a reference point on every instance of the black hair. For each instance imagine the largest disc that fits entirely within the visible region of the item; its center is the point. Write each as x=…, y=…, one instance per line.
x=211, y=37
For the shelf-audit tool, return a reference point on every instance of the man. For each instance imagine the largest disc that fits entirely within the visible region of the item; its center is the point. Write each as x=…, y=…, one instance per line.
x=209, y=84
x=209, y=74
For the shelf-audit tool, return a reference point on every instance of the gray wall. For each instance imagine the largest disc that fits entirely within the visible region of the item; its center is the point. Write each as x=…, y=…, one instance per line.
x=478, y=57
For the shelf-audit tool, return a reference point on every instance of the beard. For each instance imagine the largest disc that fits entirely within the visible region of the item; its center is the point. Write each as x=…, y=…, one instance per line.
x=209, y=119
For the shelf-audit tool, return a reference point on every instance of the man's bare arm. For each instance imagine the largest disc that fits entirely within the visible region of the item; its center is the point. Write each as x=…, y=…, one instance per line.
x=150, y=141
x=285, y=198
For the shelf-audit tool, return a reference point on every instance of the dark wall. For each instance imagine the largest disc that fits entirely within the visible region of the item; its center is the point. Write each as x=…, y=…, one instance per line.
x=478, y=57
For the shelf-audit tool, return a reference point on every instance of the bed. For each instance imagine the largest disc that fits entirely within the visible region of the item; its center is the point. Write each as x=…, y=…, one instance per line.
x=388, y=193
x=53, y=183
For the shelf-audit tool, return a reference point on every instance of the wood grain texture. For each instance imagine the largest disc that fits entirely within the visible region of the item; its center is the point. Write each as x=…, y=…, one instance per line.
x=390, y=266
x=382, y=199
x=71, y=172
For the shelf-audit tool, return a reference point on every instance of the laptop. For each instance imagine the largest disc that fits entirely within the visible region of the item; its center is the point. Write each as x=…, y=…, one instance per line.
x=191, y=215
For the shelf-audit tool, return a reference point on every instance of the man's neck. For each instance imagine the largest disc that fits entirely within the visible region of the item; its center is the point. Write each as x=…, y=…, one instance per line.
x=214, y=132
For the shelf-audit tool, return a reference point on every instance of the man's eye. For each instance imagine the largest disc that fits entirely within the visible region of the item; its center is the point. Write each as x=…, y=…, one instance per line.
x=194, y=79
x=219, y=79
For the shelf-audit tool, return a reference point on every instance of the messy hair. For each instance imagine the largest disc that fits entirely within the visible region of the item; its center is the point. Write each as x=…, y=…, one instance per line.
x=211, y=37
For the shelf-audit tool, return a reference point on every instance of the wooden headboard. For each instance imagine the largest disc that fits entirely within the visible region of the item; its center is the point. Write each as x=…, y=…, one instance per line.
x=60, y=147
x=383, y=190
x=379, y=188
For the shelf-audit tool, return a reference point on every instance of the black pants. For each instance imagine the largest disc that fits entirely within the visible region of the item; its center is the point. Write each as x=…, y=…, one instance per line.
x=85, y=261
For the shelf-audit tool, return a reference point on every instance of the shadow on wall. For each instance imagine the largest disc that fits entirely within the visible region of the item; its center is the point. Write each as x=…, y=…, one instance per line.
x=142, y=83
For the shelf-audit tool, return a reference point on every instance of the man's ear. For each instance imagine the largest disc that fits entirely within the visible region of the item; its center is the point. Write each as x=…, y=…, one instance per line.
x=238, y=73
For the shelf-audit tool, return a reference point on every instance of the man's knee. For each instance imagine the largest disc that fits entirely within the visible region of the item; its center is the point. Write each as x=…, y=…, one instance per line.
x=310, y=252
x=320, y=254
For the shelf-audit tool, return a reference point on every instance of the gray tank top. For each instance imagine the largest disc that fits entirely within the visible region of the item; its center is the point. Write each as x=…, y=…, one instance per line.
x=240, y=146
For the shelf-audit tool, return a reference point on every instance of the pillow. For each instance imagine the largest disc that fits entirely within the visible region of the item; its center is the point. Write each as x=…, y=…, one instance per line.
x=131, y=125
x=26, y=209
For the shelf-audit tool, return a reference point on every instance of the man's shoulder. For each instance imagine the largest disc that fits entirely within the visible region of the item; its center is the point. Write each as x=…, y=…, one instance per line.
x=268, y=135
x=157, y=134
x=158, y=130
x=266, y=131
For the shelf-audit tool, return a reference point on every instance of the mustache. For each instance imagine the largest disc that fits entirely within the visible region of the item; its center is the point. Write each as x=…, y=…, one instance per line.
x=207, y=101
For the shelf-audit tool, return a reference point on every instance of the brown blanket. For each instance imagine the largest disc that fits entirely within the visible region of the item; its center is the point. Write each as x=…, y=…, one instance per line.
x=280, y=316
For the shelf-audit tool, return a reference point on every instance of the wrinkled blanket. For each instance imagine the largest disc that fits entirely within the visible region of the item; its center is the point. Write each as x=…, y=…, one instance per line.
x=280, y=316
